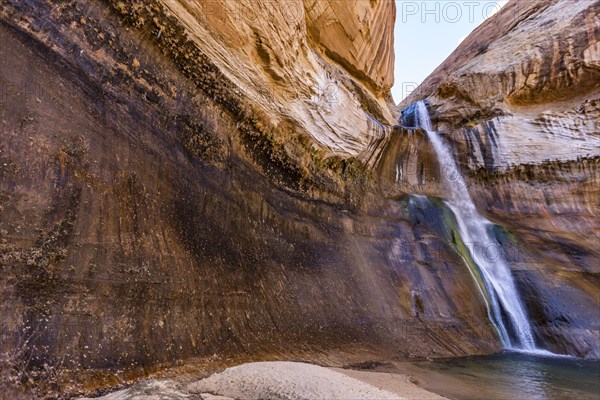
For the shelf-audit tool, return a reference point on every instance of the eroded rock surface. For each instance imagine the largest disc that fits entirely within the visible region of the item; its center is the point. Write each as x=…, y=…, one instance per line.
x=153, y=213
x=178, y=187
x=519, y=100
x=524, y=87
x=326, y=64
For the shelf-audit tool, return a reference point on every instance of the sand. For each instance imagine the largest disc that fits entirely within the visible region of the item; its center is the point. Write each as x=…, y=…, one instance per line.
x=396, y=383
x=281, y=380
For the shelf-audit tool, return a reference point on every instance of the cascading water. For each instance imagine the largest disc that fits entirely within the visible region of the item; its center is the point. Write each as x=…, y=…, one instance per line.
x=504, y=304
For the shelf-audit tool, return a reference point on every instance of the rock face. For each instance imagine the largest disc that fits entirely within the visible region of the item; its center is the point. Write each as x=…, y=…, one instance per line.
x=520, y=99
x=524, y=87
x=357, y=34
x=178, y=185
x=325, y=64
x=155, y=210
x=548, y=208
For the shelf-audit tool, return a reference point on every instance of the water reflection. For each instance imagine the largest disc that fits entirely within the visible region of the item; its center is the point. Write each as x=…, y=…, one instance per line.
x=516, y=376
x=525, y=375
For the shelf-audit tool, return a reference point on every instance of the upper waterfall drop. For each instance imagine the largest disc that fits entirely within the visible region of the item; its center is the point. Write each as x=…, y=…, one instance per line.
x=504, y=306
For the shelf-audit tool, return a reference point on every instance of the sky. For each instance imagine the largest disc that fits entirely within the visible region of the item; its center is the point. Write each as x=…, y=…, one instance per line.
x=427, y=31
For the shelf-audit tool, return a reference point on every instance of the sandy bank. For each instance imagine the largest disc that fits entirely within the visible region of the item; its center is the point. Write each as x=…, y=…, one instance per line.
x=281, y=381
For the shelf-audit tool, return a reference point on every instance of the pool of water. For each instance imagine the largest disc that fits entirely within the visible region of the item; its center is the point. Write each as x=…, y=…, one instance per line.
x=511, y=375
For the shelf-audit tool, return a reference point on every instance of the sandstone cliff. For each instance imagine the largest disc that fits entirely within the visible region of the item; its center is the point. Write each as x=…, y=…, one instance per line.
x=524, y=86
x=328, y=65
x=212, y=183
x=520, y=101
x=157, y=208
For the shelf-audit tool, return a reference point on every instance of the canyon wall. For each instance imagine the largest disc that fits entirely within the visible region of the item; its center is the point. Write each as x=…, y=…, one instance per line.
x=328, y=65
x=215, y=182
x=519, y=100
x=524, y=87
x=158, y=209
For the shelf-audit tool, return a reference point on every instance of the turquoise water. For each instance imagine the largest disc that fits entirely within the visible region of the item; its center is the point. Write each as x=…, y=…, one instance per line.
x=516, y=376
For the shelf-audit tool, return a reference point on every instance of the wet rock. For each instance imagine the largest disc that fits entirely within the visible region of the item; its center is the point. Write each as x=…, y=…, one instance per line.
x=190, y=225
x=518, y=101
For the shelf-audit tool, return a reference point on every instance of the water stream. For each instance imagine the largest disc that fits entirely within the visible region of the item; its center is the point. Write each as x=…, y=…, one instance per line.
x=505, y=308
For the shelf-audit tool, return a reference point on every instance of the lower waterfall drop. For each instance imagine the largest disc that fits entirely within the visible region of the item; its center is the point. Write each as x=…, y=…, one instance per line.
x=504, y=306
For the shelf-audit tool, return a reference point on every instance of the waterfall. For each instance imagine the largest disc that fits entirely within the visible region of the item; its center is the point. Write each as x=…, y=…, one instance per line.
x=504, y=304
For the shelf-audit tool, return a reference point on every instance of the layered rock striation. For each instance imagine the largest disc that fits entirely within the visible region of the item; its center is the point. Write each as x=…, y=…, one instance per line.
x=524, y=87
x=519, y=100
x=325, y=64
x=220, y=182
x=156, y=210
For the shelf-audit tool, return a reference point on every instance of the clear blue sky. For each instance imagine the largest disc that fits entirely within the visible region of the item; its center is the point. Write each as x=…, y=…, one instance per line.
x=427, y=31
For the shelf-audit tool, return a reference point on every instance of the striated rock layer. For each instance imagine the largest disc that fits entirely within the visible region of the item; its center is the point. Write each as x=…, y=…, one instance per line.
x=154, y=213
x=220, y=182
x=326, y=64
x=524, y=87
x=519, y=99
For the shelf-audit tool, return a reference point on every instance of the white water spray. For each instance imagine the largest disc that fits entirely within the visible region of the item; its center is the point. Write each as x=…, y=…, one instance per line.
x=505, y=308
